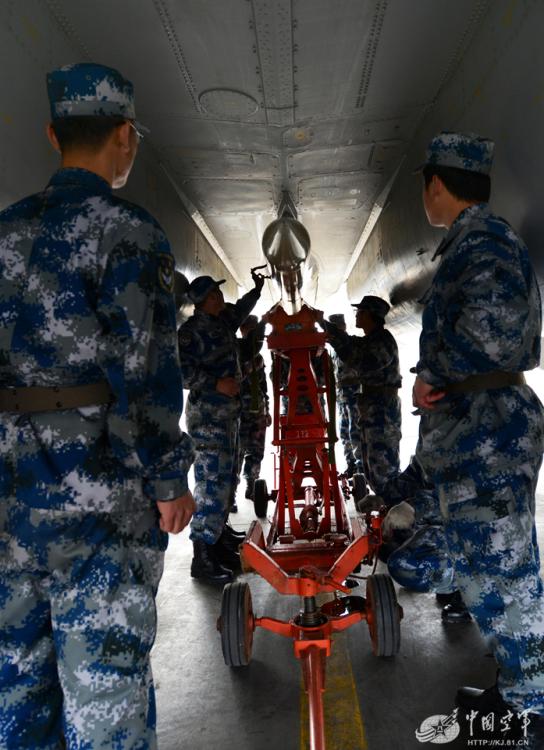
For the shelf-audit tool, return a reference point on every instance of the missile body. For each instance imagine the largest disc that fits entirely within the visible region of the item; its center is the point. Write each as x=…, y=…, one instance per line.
x=286, y=245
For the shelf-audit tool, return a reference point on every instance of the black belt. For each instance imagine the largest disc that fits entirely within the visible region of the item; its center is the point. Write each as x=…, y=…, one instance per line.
x=53, y=398
x=485, y=381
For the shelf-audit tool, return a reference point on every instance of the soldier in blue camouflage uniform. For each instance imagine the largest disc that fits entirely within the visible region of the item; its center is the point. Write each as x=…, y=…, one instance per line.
x=347, y=389
x=415, y=547
x=376, y=358
x=211, y=370
x=481, y=425
x=255, y=414
x=93, y=464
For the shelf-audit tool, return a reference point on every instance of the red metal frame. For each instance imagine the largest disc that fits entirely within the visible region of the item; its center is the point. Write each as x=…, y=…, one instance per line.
x=312, y=545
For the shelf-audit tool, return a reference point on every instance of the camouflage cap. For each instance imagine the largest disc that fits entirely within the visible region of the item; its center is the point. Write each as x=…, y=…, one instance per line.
x=89, y=90
x=375, y=305
x=461, y=150
x=200, y=287
x=338, y=319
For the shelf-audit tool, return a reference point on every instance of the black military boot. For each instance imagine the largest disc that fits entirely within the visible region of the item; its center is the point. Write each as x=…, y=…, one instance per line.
x=481, y=700
x=226, y=553
x=521, y=729
x=250, y=488
x=534, y=737
x=444, y=599
x=206, y=567
x=232, y=541
x=231, y=533
x=456, y=611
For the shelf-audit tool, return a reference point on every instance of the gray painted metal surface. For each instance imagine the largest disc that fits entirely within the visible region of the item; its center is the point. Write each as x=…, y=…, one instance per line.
x=323, y=98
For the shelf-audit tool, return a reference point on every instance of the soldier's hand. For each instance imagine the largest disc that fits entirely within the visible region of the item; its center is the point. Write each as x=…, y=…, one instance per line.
x=258, y=278
x=424, y=395
x=330, y=328
x=176, y=514
x=228, y=387
x=399, y=518
x=369, y=503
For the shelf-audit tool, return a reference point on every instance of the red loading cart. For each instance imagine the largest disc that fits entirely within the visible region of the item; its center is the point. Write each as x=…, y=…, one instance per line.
x=312, y=545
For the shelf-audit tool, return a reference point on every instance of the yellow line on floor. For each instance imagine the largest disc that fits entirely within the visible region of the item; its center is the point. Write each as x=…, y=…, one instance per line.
x=343, y=721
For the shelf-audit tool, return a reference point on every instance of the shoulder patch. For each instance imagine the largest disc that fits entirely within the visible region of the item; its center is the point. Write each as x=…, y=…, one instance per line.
x=166, y=271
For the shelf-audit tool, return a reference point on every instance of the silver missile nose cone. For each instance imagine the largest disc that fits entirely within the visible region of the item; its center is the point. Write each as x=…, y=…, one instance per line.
x=286, y=244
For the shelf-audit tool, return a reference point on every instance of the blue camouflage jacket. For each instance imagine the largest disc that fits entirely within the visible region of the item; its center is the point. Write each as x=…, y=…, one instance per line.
x=209, y=351
x=85, y=296
x=375, y=356
x=483, y=310
x=345, y=373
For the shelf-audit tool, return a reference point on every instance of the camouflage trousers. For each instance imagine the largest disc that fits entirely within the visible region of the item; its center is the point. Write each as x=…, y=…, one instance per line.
x=421, y=561
x=379, y=425
x=484, y=453
x=215, y=438
x=349, y=429
x=77, y=622
x=251, y=445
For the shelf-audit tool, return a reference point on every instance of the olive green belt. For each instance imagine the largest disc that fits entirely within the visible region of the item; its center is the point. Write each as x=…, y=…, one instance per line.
x=485, y=381
x=53, y=398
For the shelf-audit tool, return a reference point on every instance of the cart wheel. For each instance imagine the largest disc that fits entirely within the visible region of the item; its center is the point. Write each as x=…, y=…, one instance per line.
x=383, y=615
x=260, y=498
x=359, y=487
x=236, y=624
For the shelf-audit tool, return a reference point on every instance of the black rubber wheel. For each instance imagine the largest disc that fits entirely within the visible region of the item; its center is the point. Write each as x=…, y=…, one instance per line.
x=383, y=615
x=359, y=487
x=236, y=624
x=260, y=498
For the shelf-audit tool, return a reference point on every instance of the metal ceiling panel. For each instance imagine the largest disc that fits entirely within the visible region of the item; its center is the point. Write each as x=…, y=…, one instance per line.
x=197, y=133
x=273, y=24
x=328, y=193
x=349, y=130
x=248, y=98
x=245, y=232
x=330, y=43
x=327, y=161
x=385, y=155
x=416, y=46
x=237, y=165
x=131, y=36
x=218, y=197
x=333, y=244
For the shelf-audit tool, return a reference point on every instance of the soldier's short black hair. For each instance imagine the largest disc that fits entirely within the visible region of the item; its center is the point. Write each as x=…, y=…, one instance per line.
x=85, y=132
x=463, y=185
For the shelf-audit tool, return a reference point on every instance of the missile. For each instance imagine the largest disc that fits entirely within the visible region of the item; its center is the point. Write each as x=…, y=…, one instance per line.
x=286, y=246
